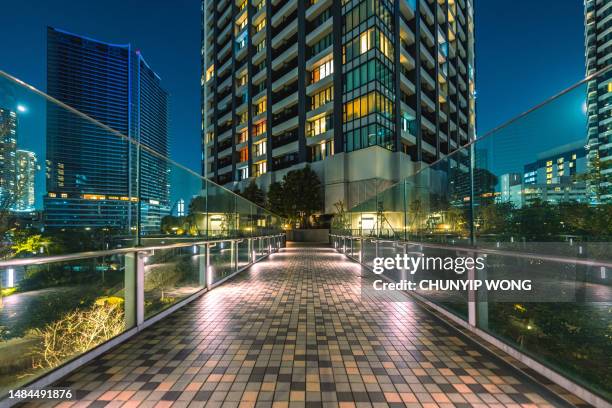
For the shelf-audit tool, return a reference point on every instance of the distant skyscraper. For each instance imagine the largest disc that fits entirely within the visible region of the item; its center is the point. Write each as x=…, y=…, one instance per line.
x=93, y=176
x=8, y=157
x=365, y=92
x=27, y=164
x=598, y=45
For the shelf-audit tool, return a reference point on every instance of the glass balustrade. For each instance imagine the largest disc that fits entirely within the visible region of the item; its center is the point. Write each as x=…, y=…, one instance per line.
x=101, y=233
x=532, y=197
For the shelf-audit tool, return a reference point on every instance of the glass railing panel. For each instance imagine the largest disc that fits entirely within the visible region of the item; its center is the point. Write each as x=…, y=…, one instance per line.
x=221, y=212
x=178, y=217
x=246, y=222
x=78, y=183
x=390, y=212
x=110, y=187
x=171, y=275
x=357, y=248
x=57, y=195
x=532, y=198
x=52, y=313
x=438, y=201
x=565, y=323
x=243, y=253
x=368, y=251
x=258, y=248
x=222, y=261
x=536, y=181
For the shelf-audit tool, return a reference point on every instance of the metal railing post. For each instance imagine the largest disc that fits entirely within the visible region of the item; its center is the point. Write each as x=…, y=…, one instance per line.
x=129, y=300
x=134, y=288
x=233, y=256
x=472, y=296
x=250, y=250
x=209, y=268
x=202, y=265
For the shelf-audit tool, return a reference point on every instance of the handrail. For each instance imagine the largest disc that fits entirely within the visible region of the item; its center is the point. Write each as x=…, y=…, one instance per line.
x=96, y=254
x=501, y=252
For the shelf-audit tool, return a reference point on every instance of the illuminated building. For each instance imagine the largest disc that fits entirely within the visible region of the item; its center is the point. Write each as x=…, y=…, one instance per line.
x=363, y=91
x=8, y=157
x=598, y=46
x=96, y=178
x=26, y=167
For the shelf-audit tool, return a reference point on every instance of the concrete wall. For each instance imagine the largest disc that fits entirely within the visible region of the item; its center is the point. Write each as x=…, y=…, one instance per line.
x=308, y=235
x=350, y=177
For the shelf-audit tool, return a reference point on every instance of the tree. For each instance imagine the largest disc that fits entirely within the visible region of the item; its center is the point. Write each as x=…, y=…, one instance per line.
x=303, y=195
x=598, y=178
x=174, y=225
x=30, y=244
x=163, y=277
x=255, y=194
x=341, y=220
x=276, y=199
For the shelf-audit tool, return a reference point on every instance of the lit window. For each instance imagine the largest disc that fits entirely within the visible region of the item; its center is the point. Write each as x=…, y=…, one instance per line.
x=322, y=71
x=323, y=97
x=364, y=41
x=210, y=72
x=259, y=168
x=259, y=149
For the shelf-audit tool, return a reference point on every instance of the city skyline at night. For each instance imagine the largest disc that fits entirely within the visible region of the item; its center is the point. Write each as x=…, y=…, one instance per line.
x=517, y=66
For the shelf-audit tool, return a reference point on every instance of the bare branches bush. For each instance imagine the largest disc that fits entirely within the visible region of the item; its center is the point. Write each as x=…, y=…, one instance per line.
x=78, y=332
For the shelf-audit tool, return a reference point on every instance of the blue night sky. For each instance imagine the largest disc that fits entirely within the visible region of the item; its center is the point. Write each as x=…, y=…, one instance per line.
x=526, y=51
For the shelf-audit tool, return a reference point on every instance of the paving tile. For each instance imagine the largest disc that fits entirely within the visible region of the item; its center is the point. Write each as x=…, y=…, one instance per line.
x=294, y=331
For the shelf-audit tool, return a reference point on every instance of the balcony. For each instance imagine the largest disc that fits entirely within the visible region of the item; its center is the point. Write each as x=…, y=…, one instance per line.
x=288, y=55
x=319, y=32
x=286, y=33
x=285, y=80
x=285, y=11
x=285, y=126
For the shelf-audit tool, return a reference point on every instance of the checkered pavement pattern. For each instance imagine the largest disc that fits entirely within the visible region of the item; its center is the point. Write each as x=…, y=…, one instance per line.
x=294, y=331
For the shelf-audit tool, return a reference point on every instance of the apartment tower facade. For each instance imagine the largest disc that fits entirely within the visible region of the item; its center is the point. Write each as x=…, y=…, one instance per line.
x=598, y=48
x=8, y=158
x=96, y=178
x=362, y=91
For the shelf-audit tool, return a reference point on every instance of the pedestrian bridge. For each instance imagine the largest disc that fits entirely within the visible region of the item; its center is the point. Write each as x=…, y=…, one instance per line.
x=193, y=297
x=295, y=330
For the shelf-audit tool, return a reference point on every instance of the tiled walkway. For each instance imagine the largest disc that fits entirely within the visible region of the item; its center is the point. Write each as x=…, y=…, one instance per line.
x=293, y=331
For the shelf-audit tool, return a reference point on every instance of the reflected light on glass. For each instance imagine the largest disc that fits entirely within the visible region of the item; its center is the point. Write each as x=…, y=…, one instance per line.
x=11, y=278
x=21, y=108
x=209, y=274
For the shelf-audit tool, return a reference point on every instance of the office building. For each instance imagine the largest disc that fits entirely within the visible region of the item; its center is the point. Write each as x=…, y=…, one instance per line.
x=561, y=164
x=598, y=46
x=557, y=175
x=96, y=178
x=8, y=157
x=26, y=167
x=363, y=91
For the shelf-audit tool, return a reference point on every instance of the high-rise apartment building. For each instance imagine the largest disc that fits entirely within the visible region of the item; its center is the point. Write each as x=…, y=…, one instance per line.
x=94, y=177
x=26, y=167
x=364, y=91
x=598, y=46
x=8, y=157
